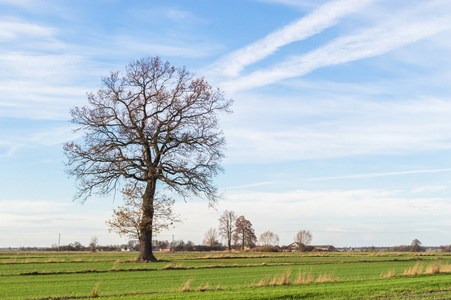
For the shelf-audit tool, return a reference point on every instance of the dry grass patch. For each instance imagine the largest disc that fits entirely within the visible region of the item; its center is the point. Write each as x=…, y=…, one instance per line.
x=304, y=278
x=9, y=261
x=95, y=292
x=186, y=287
x=55, y=260
x=415, y=270
x=202, y=289
x=326, y=278
x=171, y=267
x=445, y=268
x=390, y=273
x=284, y=279
x=433, y=269
x=263, y=282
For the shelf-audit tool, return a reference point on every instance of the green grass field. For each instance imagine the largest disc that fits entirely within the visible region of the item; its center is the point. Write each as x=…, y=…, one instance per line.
x=75, y=275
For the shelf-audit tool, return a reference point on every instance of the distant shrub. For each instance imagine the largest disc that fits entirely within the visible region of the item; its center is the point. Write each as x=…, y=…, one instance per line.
x=266, y=248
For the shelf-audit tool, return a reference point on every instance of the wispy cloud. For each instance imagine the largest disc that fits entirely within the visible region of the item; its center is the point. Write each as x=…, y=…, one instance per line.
x=367, y=43
x=315, y=128
x=285, y=212
x=325, y=16
x=11, y=29
x=369, y=175
x=7, y=148
x=250, y=185
x=295, y=3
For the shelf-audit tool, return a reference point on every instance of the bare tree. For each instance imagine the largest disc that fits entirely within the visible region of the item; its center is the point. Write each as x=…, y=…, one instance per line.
x=416, y=246
x=227, y=227
x=244, y=233
x=127, y=219
x=211, y=237
x=268, y=238
x=154, y=124
x=303, y=238
x=93, y=244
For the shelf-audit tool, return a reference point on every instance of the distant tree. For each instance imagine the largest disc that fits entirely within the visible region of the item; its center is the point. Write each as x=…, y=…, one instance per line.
x=133, y=244
x=268, y=238
x=211, y=237
x=78, y=246
x=416, y=246
x=153, y=124
x=93, y=244
x=157, y=244
x=189, y=246
x=303, y=238
x=227, y=227
x=178, y=245
x=127, y=219
x=244, y=233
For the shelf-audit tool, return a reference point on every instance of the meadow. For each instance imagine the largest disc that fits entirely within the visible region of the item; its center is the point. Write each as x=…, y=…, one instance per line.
x=222, y=275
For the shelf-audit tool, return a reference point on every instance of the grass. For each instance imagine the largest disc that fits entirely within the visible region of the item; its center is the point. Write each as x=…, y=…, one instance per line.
x=38, y=275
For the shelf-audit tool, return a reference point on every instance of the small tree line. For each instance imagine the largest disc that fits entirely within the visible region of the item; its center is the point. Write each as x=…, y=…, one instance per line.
x=238, y=234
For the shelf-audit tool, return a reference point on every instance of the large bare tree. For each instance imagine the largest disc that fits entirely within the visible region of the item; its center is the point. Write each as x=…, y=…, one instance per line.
x=244, y=233
x=211, y=237
x=154, y=123
x=268, y=238
x=227, y=227
x=303, y=238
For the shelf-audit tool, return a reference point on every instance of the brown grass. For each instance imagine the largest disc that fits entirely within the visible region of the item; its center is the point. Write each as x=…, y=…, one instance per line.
x=186, y=286
x=9, y=261
x=445, y=269
x=326, y=278
x=390, y=273
x=202, y=289
x=304, y=278
x=433, y=269
x=54, y=260
x=171, y=267
x=263, y=282
x=284, y=279
x=95, y=292
x=415, y=270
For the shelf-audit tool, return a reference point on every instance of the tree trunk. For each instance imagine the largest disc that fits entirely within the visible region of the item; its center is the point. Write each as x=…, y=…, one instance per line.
x=145, y=251
x=242, y=241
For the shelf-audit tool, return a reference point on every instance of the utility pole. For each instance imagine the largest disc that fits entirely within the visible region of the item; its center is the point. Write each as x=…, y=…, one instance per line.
x=59, y=240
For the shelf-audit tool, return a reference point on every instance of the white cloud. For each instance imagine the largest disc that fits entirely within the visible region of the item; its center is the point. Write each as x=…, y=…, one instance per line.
x=327, y=213
x=370, y=175
x=366, y=43
x=314, y=128
x=327, y=15
x=14, y=29
x=295, y=3
x=7, y=148
x=56, y=136
x=175, y=47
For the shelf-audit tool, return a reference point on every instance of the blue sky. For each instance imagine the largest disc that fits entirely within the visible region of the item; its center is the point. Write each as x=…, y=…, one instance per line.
x=341, y=120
